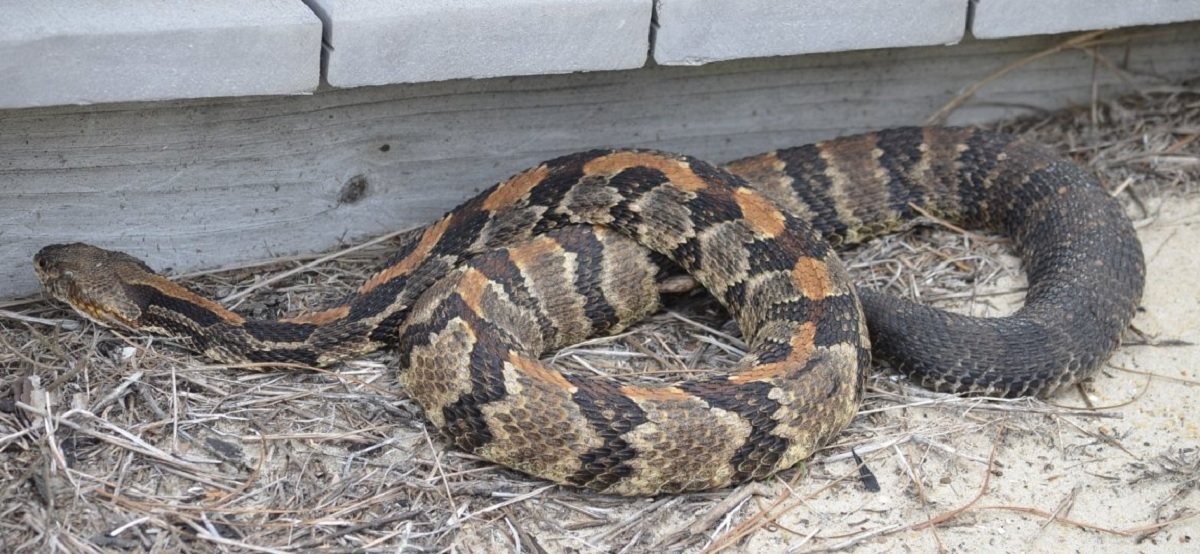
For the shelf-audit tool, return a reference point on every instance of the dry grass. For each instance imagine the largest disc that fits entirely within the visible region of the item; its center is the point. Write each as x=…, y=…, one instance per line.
x=143, y=447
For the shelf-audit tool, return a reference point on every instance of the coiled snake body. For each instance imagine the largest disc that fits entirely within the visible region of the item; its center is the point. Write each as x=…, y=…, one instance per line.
x=572, y=248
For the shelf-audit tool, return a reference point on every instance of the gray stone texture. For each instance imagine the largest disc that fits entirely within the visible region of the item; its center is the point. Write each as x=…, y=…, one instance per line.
x=376, y=42
x=694, y=32
x=91, y=51
x=1011, y=18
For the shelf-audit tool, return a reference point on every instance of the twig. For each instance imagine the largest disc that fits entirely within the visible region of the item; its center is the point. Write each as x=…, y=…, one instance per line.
x=987, y=479
x=704, y=522
x=859, y=538
x=939, y=117
x=67, y=324
x=307, y=266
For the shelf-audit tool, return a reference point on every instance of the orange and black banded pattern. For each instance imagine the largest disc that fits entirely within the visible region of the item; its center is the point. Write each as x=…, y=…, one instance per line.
x=1083, y=259
x=573, y=248
x=484, y=327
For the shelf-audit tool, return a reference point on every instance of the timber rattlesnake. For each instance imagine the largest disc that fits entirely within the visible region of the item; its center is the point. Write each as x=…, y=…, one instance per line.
x=479, y=295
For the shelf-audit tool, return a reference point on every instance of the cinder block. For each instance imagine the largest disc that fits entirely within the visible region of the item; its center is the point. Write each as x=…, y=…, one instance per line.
x=88, y=51
x=1011, y=18
x=374, y=42
x=694, y=32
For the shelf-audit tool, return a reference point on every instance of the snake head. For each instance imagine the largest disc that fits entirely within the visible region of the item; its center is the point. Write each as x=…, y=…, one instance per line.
x=91, y=280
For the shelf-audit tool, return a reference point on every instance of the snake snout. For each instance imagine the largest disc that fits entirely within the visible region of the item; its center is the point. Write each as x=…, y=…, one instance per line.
x=56, y=259
x=52, y=265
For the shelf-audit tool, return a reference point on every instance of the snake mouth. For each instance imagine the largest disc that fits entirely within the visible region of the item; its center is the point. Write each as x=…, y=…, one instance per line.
x=70, y=295
x=52, y=284
x=54, y=281
x=100, y=315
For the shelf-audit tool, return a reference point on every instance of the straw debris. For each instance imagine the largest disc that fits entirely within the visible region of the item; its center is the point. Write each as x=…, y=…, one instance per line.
x=113, y=443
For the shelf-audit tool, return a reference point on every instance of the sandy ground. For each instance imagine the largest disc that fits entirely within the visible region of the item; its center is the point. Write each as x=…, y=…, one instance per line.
x=146, y=448
x=1117, y=478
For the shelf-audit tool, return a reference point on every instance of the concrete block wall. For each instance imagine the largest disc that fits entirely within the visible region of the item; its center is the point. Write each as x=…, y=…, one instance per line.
x=694, y=32
x=1014, y=18
x=376, y=42
x=92, y=51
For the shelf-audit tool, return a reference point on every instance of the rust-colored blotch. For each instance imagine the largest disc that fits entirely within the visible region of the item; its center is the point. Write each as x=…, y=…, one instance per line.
x=410, y=262
x=761, y=214
x=322, y=317
x=802, y=347
x=171, y=288
x=512, y=190
x=538, y=372
x=529, y=254
x=471, y=289
x=812, y=276
x=677, y=171
x=661, y=394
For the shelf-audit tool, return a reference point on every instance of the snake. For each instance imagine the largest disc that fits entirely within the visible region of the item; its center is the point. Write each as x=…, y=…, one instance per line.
x=578, y=245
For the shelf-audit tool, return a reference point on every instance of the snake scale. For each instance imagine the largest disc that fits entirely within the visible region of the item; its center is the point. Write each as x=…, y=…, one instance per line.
x=574, y=246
